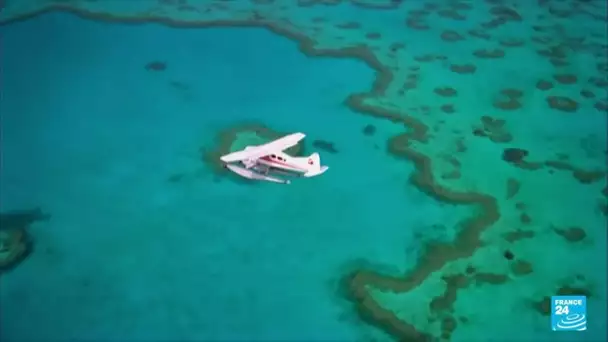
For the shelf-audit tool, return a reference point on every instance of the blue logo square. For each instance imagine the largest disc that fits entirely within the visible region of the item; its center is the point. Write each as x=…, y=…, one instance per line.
x=569, y=313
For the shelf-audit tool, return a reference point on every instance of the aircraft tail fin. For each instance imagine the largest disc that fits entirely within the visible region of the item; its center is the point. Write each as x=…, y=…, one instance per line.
x=315, y=167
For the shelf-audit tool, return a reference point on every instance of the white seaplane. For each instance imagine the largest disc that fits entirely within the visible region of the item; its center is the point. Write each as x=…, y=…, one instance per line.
x=263, y=162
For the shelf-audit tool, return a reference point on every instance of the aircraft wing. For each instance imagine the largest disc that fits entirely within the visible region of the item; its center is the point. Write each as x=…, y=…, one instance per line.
x=266, y=149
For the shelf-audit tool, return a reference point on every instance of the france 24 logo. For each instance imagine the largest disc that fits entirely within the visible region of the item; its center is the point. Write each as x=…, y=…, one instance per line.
x=569, y=313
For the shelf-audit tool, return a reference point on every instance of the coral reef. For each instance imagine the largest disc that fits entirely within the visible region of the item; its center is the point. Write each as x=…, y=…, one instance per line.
x=15, y=243
x=156, y=66
x=14, y=247
x=494, y=129
x=369, y=130
x=325, y=145
x=562, y=103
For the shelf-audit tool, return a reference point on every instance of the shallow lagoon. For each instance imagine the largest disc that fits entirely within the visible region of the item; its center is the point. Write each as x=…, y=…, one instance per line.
x=93, y=138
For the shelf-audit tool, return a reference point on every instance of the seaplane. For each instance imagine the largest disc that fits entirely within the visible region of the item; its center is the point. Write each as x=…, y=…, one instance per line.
x=268, y=161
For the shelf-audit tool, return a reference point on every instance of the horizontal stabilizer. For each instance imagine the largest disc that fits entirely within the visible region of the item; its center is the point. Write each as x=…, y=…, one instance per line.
x=316, y=172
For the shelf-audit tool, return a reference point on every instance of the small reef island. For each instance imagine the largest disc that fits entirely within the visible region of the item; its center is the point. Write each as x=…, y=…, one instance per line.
x=237, y=138
x=503, y=108
x=15, y=242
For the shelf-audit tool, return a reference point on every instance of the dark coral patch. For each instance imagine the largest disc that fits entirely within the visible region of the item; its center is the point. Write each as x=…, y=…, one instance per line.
x=396, y=46
x=565, y=78
x=586, y=177
x=175, y=178
x=445, y=301
x=562, y=103
x=573, y=291
x=514, y=155
x=587, y=94
x=489, y=54
x=561, y=12
x=470, y=270
x=512, y=42
x=490, y=278
x=553, y=52
x=417, y=24
x=451, y=14
x=505, y=13
x=459, y=5
x=480, y=34
x=508, y=255
x=521, y=267
x=325, y=145
x=558, y=62
x=571, y=234
x=602, y=207
x=369, y=130
x=430, y=6
x=448, y=109
x=510, y=104
x=156, y=66
x=518, y=235
x=445, y=91
x=351, y=25
x=463, y=68
x=544, y=85
x=494, y=129
x=494, y=23
x=513, y=186
x=539, y=28
x=512, y=93
x=542, y=39
x=451, y=175
x=451, y=36
x=460, y=146
x=543, y=306
x=602, y=106
x=598, y=82
x=411, y=83
x=448, y=325
x=524, y=218
x=373, y=36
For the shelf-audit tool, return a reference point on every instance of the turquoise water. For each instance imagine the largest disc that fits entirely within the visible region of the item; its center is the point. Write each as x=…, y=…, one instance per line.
x=92, y=137
x=136, y=238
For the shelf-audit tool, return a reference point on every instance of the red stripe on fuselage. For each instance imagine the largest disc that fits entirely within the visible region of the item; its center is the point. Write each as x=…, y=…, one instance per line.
x=272, y=161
